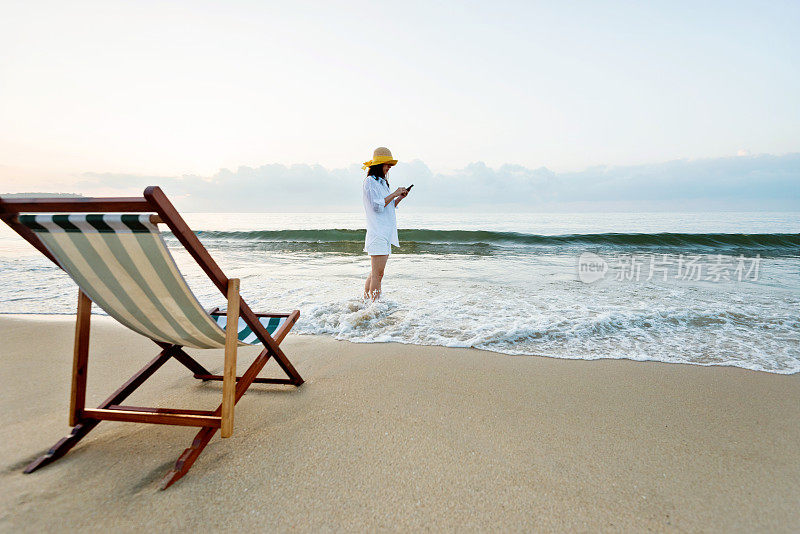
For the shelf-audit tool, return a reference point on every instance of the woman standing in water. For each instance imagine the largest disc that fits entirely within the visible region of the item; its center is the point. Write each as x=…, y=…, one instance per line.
x=379, y=206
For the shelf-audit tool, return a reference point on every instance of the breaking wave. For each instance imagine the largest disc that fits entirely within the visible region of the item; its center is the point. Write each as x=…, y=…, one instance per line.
x=421, y=241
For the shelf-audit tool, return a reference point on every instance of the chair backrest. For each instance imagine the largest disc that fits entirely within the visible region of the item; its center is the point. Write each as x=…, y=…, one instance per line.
x=121, y=262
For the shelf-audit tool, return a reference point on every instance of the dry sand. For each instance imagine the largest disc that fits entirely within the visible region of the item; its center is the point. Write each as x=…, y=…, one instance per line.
x=397, y=437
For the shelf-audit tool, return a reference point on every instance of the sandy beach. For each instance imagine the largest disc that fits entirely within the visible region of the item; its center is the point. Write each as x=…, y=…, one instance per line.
x=398, y=437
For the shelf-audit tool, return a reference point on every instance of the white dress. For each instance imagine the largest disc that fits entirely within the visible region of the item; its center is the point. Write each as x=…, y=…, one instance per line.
x=381, y=220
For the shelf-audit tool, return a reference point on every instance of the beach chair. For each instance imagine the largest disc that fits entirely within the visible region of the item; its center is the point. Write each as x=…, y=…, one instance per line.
x=113, y=250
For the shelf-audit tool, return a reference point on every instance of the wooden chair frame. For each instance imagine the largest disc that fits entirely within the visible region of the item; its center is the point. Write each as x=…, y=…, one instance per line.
x=83, y=419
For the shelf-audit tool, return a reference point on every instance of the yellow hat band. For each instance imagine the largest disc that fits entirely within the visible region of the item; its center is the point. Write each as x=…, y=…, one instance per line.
x=379, y=160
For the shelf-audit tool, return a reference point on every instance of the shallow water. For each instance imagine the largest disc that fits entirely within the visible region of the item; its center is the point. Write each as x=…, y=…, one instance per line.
x=671, y=287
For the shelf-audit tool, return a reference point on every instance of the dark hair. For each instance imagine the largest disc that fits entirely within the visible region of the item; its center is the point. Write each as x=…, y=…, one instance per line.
x=377, y=171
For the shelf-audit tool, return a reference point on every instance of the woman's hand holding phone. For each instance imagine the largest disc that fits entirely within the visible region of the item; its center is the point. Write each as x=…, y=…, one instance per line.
x=402, y=192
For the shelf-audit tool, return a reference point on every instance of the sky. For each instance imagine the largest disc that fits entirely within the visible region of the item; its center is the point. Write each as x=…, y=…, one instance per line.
x=195, y=91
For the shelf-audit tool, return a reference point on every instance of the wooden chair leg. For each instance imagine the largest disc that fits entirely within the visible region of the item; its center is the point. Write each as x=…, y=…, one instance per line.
x=62, y=447
x=80, y=359
x=229, y=373
x=188, y=457
x=204, y=436
x=79, y=431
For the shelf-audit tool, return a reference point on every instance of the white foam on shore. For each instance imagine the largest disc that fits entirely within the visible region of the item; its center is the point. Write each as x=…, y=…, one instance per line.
x=666, y=335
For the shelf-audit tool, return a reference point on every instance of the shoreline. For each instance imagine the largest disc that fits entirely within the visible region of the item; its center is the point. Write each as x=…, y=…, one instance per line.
x=59, y=316
x=399, y=436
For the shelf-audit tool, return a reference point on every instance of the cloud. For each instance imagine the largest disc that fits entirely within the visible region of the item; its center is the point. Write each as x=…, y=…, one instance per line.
x=741, y=182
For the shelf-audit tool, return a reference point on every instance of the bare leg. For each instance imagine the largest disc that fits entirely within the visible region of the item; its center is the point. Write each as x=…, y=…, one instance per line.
x=372, y=288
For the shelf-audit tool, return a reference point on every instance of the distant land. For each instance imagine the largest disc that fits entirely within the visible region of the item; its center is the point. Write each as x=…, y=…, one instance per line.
x=49, y=195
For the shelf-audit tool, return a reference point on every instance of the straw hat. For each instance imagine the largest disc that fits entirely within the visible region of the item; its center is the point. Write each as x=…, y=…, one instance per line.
x=381, y=155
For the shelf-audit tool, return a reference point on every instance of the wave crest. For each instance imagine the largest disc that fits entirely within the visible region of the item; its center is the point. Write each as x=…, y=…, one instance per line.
x=487, y=242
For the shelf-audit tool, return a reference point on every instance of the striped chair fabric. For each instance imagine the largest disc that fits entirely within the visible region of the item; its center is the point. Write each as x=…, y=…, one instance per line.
x=246, y=334
x=120, y=261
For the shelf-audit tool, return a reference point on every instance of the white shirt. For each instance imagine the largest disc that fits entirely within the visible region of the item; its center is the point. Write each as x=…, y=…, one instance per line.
x=381, y=220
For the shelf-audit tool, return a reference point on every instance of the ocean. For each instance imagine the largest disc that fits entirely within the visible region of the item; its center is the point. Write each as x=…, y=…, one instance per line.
x=695, y=288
